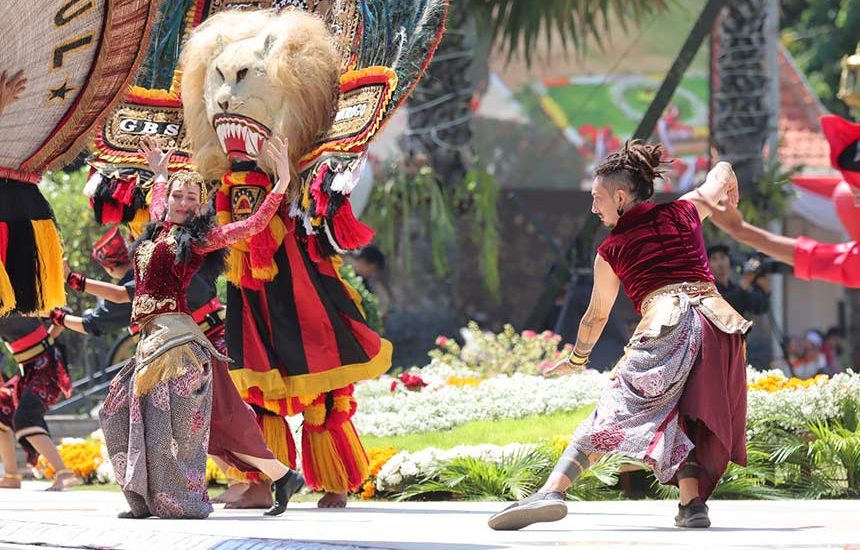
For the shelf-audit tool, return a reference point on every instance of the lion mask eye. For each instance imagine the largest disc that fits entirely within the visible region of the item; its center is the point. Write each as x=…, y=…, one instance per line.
x=240, y=74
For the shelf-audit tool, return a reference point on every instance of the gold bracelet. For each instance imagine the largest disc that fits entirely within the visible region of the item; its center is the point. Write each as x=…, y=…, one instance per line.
x=577, y=360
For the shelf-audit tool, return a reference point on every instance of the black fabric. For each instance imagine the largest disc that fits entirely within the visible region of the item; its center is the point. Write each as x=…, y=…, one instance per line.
x=201, y=290
x=30, y=412
x=350, y=350
x=288, y=344
x=22, y=202
x=22, y=264
x=13, y=327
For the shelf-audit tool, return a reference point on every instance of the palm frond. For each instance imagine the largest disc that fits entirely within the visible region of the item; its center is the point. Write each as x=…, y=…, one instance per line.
x=513, y=477
x=517, y=25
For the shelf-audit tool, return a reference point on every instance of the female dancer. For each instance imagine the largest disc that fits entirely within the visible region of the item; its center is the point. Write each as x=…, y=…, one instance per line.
x=677, y=401
x=156, y=417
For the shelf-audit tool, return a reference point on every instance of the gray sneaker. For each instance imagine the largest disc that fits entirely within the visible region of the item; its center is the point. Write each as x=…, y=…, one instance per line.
x=693, y=515
x=536, y=508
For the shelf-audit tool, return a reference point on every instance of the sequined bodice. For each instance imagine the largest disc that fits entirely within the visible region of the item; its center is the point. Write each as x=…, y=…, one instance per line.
x=160, y=282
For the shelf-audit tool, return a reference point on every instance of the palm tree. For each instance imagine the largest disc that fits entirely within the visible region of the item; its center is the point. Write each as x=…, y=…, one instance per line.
x=439, y=109
x=742, y=109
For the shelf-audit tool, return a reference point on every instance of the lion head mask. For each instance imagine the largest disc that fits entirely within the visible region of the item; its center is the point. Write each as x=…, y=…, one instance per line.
x=249, y=75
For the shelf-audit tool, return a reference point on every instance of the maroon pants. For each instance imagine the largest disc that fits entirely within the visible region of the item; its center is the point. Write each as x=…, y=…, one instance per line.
x=714, y=405
x=234, y=427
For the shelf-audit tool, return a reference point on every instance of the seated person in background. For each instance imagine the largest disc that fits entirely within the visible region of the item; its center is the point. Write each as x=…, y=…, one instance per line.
x=813, y=361
x=833, y=351
x=370, y=266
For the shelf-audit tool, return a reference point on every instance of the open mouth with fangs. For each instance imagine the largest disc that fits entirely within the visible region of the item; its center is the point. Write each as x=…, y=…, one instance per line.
x=241, y=138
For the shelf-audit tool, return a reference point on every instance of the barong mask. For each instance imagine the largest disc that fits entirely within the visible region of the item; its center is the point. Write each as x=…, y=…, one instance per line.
x=327, y=79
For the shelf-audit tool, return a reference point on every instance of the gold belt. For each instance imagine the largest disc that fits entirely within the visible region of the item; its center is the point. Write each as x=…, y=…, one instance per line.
x=693, y=290
x=34, y=351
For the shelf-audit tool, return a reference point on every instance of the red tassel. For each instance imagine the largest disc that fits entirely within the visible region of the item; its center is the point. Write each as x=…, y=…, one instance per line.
x=350, y=233
x=320, y=197
x=111, y=213
x=314, y=250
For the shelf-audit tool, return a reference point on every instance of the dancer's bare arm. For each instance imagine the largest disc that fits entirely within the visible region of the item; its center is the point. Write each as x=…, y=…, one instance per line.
x=100, y=289
x=720, y=185
x=109, y=291
x=728, y=218
x=603, y=296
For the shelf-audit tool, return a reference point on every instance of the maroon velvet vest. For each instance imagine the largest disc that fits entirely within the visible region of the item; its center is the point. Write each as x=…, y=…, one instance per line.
x=655, y=245
x=161, y=283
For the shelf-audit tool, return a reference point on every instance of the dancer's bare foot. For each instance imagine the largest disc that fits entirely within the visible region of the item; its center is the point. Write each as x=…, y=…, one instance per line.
x=332, y=500
x=258, y=495
x=10, y=481
x=64, y=479
x=232, y=493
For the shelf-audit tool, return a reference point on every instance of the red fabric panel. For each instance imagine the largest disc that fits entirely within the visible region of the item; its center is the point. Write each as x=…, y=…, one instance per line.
x=316, y=328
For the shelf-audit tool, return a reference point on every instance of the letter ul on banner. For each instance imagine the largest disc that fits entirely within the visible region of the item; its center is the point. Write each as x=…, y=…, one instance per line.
x=62, y=65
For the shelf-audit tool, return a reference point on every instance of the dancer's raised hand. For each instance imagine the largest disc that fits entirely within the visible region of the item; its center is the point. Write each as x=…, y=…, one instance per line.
x=157, y=159
x=279, y=151
x=11, y=88
x=727, y=181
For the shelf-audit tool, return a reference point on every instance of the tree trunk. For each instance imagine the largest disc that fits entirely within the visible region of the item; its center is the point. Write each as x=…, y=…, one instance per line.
x=742, y=109
x=440, y=115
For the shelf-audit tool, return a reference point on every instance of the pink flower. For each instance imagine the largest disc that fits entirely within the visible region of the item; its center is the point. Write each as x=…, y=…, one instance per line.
x=529, y=334
x=441, y=341
x=547, y=334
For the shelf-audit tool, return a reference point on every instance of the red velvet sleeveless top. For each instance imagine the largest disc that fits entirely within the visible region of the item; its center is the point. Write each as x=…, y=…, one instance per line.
x=161, y=284
x=654, y=245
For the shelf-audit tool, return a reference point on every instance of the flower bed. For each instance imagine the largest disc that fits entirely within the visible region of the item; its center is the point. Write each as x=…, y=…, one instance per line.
x=803, y=442
x=452, y=397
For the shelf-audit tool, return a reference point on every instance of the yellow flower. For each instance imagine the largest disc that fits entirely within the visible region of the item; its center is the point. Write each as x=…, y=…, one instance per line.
x=213, y=472
x=461, y=381
x=82, y=456
x=559, y=443
x=774, y=383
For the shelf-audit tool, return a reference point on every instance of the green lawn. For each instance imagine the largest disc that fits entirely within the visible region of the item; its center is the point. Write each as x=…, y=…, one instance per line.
x=592, y=104
x=497, y=432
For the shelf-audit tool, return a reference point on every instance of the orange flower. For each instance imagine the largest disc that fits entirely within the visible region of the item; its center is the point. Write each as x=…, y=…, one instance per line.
x=369, y=490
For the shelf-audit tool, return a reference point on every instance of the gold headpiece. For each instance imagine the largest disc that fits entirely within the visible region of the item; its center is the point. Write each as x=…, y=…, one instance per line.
x=185, y=177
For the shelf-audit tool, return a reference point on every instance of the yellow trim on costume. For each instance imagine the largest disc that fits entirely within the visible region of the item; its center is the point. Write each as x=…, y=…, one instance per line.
x=137, y=225
x=49, y=247
x=276, y=387
x=7, y=293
